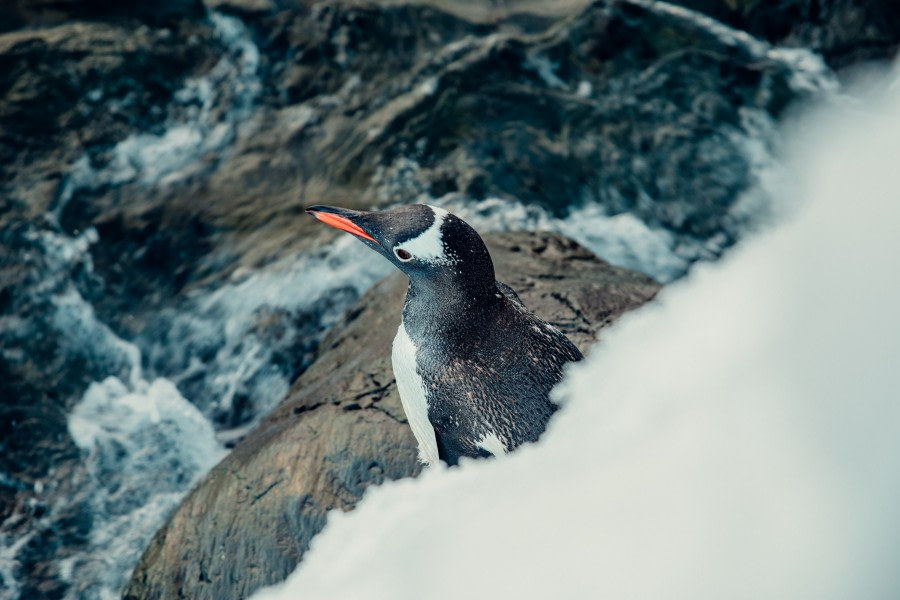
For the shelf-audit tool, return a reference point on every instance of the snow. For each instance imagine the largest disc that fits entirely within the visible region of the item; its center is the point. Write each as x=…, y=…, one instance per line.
x=737, y=439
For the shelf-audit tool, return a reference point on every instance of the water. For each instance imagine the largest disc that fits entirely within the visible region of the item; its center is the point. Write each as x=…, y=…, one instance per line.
x=242, y=344
x=144, y=444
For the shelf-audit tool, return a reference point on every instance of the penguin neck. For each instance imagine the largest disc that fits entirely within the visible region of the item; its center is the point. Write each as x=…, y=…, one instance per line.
x=449, y=308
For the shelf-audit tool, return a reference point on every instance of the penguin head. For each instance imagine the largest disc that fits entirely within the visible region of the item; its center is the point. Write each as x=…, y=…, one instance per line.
x=426, y=242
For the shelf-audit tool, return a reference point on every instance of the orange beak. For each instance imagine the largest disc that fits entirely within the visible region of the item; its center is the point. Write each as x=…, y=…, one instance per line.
x=339, y=221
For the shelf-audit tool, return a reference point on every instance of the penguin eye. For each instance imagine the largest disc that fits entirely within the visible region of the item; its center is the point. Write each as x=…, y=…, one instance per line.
x=402, y=254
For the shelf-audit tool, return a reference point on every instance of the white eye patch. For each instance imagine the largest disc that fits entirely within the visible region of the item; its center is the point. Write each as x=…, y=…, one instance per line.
x=428, y=246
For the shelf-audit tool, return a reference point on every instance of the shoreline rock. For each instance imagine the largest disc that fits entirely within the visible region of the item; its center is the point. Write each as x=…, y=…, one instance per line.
x=845, y=32
x=342, y=428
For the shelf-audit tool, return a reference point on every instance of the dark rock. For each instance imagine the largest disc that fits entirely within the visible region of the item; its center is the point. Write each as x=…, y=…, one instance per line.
x=19, y=13
x=247, y=9
x=845, y=32
x=368, y=104
x=342, y=429
x=78, y=88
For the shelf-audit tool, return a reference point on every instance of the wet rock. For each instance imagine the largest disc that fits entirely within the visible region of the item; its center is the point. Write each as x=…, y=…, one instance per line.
x=364, y=105
x=342, y=429
x=19, y=13
x=73, y=90
x=247, y=9
x=845, y=32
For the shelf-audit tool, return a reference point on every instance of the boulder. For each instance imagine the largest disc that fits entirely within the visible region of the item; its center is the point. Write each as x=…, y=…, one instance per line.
x=342, y=429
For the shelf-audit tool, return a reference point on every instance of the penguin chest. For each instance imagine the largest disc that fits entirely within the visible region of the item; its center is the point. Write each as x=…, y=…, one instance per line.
x=413, y=395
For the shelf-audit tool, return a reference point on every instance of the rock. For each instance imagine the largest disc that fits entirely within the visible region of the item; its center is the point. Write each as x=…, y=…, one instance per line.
x=242, y=8
x=19, y=13
x=77, y=89
x=608, y=106
x=845, y=32
x=342, y=429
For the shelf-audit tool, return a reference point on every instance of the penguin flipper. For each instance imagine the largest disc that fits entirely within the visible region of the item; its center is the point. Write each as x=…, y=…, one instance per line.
x=510, y=294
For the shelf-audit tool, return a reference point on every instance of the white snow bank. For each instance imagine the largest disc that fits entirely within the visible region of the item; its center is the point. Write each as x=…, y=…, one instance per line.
x=738, y=439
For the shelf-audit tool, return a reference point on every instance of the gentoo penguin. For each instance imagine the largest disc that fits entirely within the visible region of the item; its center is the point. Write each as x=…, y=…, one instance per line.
x=473, y=366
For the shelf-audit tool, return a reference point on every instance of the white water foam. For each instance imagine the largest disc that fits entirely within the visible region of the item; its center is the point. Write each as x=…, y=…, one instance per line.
x=218, y=337
x=736, y=439
x=146, y=446
x=9, y=563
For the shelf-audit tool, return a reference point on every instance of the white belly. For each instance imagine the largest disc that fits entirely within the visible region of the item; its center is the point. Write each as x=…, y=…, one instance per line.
x=412, y=395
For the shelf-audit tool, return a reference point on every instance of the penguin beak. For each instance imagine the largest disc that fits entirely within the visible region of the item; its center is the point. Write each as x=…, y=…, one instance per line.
x=340, y=218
